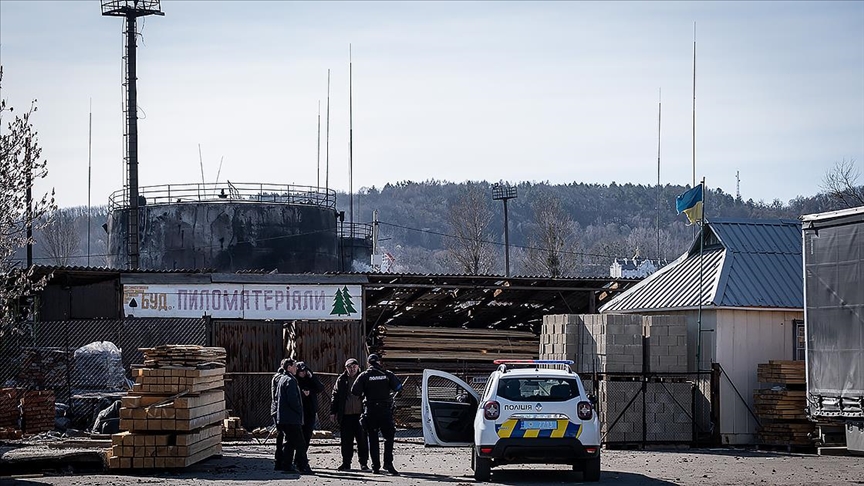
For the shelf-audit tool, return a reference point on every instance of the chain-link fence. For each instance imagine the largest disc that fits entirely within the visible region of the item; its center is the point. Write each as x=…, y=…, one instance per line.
x=655, y=408
x=60, y=374
x=247, y=395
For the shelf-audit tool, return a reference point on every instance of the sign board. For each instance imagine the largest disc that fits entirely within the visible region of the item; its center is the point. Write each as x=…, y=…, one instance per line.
x=245, y=301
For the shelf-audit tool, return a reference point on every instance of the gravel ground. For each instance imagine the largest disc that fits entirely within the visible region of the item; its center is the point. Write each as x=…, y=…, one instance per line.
x=251, y=464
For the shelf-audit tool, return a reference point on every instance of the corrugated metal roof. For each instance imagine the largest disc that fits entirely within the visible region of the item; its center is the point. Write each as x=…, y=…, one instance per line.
x=757, y=263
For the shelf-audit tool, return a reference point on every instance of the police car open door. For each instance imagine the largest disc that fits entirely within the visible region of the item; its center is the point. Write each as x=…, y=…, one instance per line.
x=448, y=408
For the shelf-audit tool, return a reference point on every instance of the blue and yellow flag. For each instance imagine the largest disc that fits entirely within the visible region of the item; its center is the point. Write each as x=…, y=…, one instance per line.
x=690, y=203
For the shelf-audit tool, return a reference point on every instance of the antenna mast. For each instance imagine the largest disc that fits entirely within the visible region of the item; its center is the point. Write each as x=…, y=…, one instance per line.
x=351, y=149
x=327, y=143
x=737, y=184
x=659, y=191
x=89, y=173
x=131, y=10
x=694, y=104
x=318, y=180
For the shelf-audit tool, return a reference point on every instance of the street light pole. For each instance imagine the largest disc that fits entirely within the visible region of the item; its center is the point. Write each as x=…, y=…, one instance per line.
x=503, y=192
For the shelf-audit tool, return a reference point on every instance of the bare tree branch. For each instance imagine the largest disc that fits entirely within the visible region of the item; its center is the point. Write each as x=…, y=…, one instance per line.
x=840, y=184
x=552, y=246
x=469, y=251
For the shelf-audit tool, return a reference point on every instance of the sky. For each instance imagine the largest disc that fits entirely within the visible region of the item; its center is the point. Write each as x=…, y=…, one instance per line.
x=498, y=91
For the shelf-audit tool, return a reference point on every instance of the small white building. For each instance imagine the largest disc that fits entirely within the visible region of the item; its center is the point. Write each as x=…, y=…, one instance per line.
x=742, y=296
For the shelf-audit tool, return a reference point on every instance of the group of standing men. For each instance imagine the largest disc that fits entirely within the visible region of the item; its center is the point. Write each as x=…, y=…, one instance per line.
x=361, y=403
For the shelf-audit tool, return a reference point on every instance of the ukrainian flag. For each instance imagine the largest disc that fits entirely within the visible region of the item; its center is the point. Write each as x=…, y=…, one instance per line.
x=690, y=203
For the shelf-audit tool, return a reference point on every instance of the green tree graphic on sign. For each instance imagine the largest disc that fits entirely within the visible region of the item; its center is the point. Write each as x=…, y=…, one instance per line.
x=342, y=304
x=349, y=304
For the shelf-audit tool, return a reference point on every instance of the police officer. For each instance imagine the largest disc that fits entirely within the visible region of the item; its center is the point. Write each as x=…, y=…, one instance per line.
x=377, y=385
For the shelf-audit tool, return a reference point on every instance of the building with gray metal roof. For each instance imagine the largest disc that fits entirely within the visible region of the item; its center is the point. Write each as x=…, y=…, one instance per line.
x=742, y=296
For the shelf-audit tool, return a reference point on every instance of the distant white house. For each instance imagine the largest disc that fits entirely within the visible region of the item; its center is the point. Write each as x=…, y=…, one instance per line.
x=635, y=267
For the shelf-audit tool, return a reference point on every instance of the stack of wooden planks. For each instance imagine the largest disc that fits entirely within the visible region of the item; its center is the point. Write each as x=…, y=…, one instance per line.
x=411, y=349
x=781, y=407
x=182, y=355
x=786, y=372
x=173, y=416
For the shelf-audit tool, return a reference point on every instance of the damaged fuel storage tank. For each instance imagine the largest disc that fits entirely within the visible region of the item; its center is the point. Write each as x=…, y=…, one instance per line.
x=228, y=227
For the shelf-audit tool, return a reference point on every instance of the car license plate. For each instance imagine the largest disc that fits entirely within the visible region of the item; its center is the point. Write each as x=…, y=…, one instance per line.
x=540, y=424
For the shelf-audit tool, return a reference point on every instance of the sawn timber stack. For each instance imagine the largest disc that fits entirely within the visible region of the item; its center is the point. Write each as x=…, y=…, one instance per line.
x=411, y=349
x=173, y=416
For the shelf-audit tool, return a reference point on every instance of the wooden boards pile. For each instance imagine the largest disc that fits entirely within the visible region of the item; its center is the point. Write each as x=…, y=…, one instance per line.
x=411, y=349
x=786, y=372
x=781, y=406
x=173, y=416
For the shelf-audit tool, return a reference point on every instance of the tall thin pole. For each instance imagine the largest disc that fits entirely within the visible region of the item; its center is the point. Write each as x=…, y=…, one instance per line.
x=201, y=163
x=89, y=175
x=351, y=149
x=506, y=242
x=694, y=104
x=327, y=143
x=28, y=171
x=318, y=180
x=701, y=279
x=132, y=138
x=659, y=190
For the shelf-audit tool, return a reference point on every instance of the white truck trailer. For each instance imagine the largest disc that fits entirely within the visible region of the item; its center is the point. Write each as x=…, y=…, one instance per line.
x=834, y=324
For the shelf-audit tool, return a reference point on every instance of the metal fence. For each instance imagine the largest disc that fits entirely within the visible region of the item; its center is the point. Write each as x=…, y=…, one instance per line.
x=656, y=408
x=247, y=395
x=84, y=365
x=79, y=365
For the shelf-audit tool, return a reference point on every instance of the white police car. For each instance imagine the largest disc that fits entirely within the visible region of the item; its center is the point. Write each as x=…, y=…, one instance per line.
x=531, y=411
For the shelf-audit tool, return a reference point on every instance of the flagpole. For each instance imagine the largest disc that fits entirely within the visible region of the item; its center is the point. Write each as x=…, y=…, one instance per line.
x=701, y=277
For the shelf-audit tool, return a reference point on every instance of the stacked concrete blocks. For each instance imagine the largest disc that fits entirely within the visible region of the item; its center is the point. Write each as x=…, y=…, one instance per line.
x=613, y=343
x=667, y=343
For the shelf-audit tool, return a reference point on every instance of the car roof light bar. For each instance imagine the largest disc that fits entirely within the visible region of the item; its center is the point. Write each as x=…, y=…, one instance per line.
x=533, y=361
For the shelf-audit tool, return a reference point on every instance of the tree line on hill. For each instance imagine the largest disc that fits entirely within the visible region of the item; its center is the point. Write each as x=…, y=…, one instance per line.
x=441, y=227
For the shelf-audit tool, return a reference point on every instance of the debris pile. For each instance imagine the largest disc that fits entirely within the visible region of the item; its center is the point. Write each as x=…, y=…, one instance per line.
x=232, y=429
x=173, y=416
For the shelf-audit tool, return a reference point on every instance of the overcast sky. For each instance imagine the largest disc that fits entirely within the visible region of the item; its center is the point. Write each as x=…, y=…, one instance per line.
x=515, y=91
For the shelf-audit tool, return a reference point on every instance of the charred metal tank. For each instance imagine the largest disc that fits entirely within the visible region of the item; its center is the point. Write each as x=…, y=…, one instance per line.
x=228, y=228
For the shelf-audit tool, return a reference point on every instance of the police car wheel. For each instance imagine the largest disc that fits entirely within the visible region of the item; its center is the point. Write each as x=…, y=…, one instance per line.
x=482, y=468
x=591, y=470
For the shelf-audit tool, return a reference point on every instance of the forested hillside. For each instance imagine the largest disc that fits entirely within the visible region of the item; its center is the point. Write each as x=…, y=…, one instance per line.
x=555, y=229
x=605, y=222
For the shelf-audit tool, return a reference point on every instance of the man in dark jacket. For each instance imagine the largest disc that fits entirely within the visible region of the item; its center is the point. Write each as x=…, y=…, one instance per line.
x=289, y=419
x=280, y=436
x=375, y=386
x=345, y=409
x=310, y=387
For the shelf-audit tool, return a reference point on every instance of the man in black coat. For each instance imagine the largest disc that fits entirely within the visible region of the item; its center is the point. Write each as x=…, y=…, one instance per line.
x=377, y=385
x=345, y=409
x=310, y=387
x=289, y=419
x=280, y=436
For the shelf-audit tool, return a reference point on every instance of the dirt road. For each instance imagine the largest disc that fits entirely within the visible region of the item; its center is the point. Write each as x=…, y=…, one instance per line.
x=252, y=465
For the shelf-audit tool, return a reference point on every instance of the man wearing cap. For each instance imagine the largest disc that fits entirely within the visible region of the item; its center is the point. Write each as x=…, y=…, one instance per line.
x=289, y=419
x=310, y=387
x=375, y=386
x=345, y=409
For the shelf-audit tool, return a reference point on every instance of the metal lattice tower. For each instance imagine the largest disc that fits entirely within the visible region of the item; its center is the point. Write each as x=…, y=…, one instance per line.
x=131, y=10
